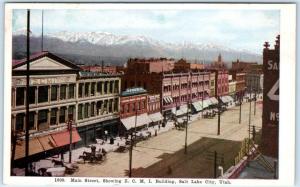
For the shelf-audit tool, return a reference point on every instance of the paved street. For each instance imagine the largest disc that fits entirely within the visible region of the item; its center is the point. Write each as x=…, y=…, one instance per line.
x=202, y=135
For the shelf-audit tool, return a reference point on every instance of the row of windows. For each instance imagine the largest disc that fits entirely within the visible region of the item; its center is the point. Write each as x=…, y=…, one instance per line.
x=131, y=107
x=57, y=116
x=153, y=107
x=97, y=108
x=56, y=92
x=90, y=89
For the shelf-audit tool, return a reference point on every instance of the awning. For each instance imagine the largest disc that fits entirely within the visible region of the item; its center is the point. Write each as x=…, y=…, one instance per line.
x=206, y=103
x=156, y=117
x=34, y=147
x=168, y=99
x=47, y=142
x=141, y=120
x=214, y=101
x=197, y=106
x=224, y=99
x=63, y=138
x=230, y=99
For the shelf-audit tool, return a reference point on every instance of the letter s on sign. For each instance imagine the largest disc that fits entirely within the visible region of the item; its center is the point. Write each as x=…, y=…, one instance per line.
x=271, y=94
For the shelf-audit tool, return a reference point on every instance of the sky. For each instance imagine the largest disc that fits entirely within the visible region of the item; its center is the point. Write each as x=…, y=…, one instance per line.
x=238, y=29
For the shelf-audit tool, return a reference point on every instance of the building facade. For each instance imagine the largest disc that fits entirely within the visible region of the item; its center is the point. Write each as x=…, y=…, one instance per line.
x=212, y=84
x=59, y=94
x=232, y=87
x=221, y=77
x=134, y=112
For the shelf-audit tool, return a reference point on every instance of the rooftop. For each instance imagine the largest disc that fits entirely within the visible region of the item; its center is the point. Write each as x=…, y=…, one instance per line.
x=133, y=91
x=90, y=74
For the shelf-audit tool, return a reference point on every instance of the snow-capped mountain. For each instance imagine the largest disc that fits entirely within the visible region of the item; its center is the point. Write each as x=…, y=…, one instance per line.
x=104, y=44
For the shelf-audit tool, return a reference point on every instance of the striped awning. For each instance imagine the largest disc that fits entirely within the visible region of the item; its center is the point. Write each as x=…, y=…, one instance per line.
x=136, y=121
x=214, y=101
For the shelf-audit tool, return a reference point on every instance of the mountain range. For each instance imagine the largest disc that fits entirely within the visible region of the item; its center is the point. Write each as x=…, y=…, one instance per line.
x=93, y=47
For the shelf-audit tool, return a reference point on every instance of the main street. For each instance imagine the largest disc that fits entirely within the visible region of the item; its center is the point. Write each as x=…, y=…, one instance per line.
x=156, y=152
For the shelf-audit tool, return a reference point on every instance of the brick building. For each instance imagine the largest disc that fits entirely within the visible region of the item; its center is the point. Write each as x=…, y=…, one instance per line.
x=100, y=69
x=151, y=65
x=242, y=66
x=212, y=84
x=154, y=109
x=239, y=78
x=183, y=65
x=133, y=110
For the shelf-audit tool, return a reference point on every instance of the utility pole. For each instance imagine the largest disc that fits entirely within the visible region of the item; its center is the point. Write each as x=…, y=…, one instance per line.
x=250, y=113
x=254, y=102
x=240, y=117
x=70, y=123
x=219, y=115
x=42, y=43
x=187, y=115
x=27, y=96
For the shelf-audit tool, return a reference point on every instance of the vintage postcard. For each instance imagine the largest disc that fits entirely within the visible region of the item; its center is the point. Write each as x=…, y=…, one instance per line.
x=149, y=94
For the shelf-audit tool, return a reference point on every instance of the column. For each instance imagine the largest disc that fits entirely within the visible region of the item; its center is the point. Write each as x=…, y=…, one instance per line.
x=102, y=106
x=13, y=95
x=66, y=113
x=58, y=92
x=102, y=86
x=24, y=122
x=113, y=105
x=108, y=87
x=95, y=89
x=36, y=120
x=36, y=94
x=90, y=85
x=89, y=110
x=67, y=91
x=57, y=115
x=75, y=113
x=48, y=117
x=95, y=109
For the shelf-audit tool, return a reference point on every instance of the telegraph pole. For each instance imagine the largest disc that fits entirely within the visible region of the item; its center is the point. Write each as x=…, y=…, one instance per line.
x=27, y=96
x=70, y=147
x=250, y=113
x=240, y=117
x=254, y=102
x=219, y=115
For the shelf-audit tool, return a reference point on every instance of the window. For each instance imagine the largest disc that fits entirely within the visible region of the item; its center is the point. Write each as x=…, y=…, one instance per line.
x=116, y=105
x=86, y=110
x=93, y=88
x=110, y=106
x=133, y=107
x=116, y=86
x=63, y=89
x=53, y=116
x=80, y=90
x=92, y=109
x=111, y=84
x=20, y=122
x=127, y=108
x=99, y=87
x=71, y=91
x=80, y=112
x=53, y=92
x=86, y=89
x=31, y=120
x=43, y=94
x=105, y=87
x=42, y=119
x=62, y=115
x=71, y=112
x=20, y=96
x=32, y=95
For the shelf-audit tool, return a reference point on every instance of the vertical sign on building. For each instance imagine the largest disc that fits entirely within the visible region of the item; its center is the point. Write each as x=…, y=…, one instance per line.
x=270, y=122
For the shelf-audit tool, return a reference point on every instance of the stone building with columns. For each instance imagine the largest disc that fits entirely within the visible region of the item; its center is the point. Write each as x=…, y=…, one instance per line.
x=59, y=92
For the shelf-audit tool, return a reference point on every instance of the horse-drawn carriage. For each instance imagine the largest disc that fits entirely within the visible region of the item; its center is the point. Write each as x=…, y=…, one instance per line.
x=94, y=156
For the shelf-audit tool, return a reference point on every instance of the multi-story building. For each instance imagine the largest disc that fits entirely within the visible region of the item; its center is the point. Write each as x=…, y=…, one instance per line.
x=97, y=105
x=133, y=110
x=241, y=66
x=100, y=69
x=231, y=86
x=154, y=109
x=239, y=77
x=254, y=81
x=183, y=65
x=212, y=84
x=59, y=93
x=221, y=77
